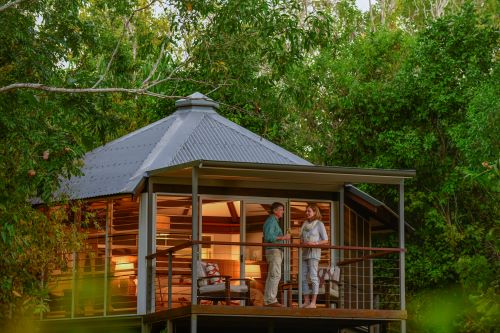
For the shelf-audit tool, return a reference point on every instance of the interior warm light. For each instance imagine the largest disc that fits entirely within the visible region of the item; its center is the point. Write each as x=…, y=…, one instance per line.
x=123, y=264
x=128, y=266
x=252, y=271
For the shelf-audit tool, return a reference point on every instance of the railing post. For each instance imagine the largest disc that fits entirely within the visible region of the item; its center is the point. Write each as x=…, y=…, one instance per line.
x=402, y=284
x=372, y=300
x=143, y=264
x=287, y=251
x=243, y=237
x=170, y=280
x=151, y=241
x=341, y=241
x=341, y=222
x=333, y=233
x=194, y=323
x=107, y=254
x=299, y=278
x=195, y=245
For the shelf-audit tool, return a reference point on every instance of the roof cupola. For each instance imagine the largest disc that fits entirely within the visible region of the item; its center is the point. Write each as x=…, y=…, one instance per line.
x=196, y=102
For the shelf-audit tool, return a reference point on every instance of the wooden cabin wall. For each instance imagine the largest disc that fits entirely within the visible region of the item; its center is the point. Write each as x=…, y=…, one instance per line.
x=101, y=277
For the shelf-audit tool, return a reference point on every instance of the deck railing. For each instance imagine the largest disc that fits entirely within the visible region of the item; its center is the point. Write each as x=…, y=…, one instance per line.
x=369, y=276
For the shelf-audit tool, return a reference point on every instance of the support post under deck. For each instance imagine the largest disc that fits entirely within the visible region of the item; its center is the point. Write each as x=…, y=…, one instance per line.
x=195, y=236
x=402, y=283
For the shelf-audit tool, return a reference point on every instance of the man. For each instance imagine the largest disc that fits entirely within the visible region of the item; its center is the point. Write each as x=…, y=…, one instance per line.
x=274, y=255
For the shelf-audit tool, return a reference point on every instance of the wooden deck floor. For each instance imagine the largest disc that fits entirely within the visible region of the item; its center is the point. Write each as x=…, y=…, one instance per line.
x=233, y=319
x=242, y=319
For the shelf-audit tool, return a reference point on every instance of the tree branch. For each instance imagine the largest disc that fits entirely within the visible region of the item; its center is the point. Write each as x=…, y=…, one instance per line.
x=183, y=64
x=10, y=4
x=124, y=30
x=155, y=83
x=39, y=86
x=112, y=55
x=155, y=66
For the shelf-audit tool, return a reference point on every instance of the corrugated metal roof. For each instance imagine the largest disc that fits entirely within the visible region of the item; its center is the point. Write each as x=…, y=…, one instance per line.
x=194, y=132
x=217, y=139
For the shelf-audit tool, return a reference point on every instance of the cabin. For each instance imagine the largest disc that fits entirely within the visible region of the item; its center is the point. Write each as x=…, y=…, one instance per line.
x=173, y=215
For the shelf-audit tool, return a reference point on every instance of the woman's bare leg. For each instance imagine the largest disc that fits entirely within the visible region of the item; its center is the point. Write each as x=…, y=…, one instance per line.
x=312, y=304
x=306, y=301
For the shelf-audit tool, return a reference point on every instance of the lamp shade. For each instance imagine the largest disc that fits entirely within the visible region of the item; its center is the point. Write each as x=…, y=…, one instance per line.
x=124, y=263
x=128, y=266
x=252, y=271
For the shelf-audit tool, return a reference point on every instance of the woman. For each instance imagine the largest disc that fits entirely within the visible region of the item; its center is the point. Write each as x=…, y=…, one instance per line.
x=313, y=232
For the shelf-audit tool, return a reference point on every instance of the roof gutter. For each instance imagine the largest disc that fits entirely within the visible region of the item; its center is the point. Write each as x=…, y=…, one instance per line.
x=394, y=173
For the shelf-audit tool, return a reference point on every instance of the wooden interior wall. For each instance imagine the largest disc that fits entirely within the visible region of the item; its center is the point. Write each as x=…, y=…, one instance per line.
x=123, y=250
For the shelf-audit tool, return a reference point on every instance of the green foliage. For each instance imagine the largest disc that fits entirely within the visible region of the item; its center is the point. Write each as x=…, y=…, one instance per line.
x=427, y=101
x=275, y=37
x=412, y=88
x=437, y=310
x=33, y=244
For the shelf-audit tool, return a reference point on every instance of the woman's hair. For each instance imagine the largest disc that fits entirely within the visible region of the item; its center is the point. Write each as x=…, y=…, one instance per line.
x=317, y=212
x=276, y=205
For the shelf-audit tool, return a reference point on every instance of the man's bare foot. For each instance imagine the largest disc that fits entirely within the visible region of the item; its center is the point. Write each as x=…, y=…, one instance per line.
x=311, y=306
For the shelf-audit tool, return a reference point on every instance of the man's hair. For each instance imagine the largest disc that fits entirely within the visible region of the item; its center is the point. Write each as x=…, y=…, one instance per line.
x=276, y=205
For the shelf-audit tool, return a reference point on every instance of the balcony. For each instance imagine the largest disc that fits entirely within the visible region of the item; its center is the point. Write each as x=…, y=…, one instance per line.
x=368, y=287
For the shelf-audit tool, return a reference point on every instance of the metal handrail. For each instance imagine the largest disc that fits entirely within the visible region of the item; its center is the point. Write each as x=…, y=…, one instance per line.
x=170, y=252
x=330, y=247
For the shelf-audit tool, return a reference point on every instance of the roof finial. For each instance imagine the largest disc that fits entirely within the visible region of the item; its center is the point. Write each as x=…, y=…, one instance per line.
x=196, y=102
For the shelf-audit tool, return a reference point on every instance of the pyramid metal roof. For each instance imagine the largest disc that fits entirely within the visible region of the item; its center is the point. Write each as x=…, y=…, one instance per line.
x=194, y=132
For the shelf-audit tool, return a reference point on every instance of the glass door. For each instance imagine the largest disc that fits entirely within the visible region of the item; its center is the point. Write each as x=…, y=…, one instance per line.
x=255, y=213
x=297, y=218
x=221, y=222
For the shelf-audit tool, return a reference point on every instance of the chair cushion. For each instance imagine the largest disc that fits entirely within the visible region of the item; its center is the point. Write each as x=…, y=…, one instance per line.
x=202, y=273
x=334, y=290
x=221, y=286
x=212, y=269
x=328, y=273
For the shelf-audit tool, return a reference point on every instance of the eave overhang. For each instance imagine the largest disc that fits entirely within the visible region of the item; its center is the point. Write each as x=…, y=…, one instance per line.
x=318, y=177
x=371, y=207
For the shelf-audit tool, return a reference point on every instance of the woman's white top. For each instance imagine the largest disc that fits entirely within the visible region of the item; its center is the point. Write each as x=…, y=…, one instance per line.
x=313, y=231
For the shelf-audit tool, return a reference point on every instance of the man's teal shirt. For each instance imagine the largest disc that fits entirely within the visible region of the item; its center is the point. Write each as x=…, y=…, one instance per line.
x=272, y=230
